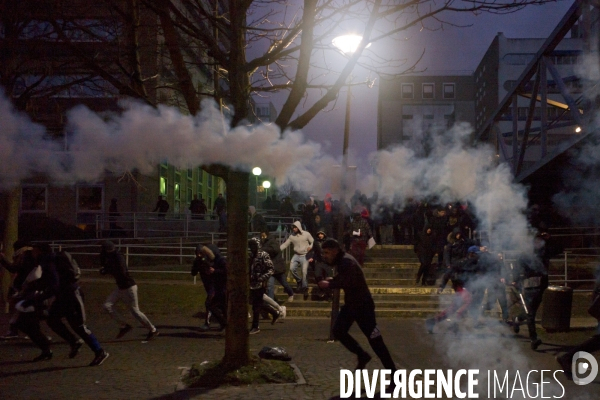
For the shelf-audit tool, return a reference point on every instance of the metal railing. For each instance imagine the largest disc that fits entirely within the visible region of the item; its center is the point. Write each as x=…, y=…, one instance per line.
x=562, y=269
x=143, y=225
x=168, y=247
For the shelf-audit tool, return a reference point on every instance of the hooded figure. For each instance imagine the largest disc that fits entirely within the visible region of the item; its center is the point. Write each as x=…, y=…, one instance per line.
x=257, y=221
x=322, y=269
x=261, y=269
x=302, y=241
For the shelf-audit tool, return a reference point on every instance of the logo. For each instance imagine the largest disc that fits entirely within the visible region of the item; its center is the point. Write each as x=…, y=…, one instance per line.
x=584, y=364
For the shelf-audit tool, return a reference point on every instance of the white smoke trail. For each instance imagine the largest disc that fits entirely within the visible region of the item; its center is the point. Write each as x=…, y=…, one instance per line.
x=455, y=171
x=141, y=137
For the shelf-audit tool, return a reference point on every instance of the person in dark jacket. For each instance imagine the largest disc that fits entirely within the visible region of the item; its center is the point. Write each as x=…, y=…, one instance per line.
x=261, y=269
x=439, y=225
x=460, y=273
x=271, y=246
x=321, y=268
x=113, y=263
x=358, y=306
x=532, y=280
x=212, y=267
x=425, y=249
x=36, y=282
x=162, y=206
x=69, y=304
x=257, y=222
x=359, y=233
x=456, y=248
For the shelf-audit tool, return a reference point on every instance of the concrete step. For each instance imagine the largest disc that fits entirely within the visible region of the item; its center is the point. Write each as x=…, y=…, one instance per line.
x=391, y=274
x=372, y=265
x=414, y=290
x=417, y=305
x=379, y=312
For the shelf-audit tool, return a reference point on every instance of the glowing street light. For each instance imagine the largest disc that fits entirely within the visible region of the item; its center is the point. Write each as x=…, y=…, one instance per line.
x=347, y=44
x=266, y=185
x=578, y=129
x=256, y=171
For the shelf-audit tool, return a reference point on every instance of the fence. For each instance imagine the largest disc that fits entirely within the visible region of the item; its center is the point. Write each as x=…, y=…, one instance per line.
x=145, y=225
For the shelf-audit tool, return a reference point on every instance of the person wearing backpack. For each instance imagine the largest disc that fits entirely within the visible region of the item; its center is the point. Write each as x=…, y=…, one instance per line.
x=69, y=305
x=113, y=263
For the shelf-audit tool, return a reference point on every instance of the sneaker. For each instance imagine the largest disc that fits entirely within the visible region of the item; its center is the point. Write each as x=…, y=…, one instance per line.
x=99, y=358
x=290, y=299
x=275, y=317
x=205, y=327
x=363, y=359
x=254, y=331
x=516, y=327
x=124, y=331
x=151, y=335
x=429, y=324
x=75, y=348
x=535, y=344
x=565, y=364
x=46, y=355
x=283, y=313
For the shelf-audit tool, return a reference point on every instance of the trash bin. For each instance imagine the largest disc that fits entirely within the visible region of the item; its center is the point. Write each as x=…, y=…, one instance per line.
x=556, y=313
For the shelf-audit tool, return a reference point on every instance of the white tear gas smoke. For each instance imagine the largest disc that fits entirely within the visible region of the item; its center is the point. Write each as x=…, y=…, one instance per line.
x=141, y=137
x=454, y=171
x=579, y=199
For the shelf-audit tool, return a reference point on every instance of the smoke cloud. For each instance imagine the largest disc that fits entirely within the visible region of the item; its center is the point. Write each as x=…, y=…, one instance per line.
x=140, y=137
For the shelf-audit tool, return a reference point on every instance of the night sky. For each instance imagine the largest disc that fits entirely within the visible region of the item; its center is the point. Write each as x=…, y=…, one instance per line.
x=446, y=50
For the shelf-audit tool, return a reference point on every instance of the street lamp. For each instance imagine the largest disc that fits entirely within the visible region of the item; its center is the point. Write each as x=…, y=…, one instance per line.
x=266, y=185
x=256, y=171
x=347, y=44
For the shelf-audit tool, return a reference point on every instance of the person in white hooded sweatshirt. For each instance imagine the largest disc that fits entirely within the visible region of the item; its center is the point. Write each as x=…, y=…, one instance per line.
x=302, y=241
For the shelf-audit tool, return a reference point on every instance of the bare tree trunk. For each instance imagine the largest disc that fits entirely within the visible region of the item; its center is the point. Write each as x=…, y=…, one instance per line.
x=11, y=234
x=237, y=345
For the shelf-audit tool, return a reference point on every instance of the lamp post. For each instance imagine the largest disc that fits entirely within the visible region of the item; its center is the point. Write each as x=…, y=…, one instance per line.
x=266, y=185
x=347, y=44
x=256, y=171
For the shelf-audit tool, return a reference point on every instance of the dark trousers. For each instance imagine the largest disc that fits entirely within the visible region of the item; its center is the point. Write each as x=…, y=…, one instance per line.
x=29, y=323
x=258, y=304
x=217, y=307
x=357, y=250
x=497, y=291
x=533, y=299
x=280, y=277
x=365, y=318
x=424, y=268
x=70, y=306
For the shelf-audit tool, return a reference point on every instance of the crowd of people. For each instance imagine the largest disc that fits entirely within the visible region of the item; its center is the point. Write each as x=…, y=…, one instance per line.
x=445, y=230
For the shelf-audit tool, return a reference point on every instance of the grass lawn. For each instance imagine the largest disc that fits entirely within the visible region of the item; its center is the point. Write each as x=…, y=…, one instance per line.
x=155, y=298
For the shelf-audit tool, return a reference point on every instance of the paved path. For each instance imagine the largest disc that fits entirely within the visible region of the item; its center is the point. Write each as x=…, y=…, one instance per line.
x=137, y=370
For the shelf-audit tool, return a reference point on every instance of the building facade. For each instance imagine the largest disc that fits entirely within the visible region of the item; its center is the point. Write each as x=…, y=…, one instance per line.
x=66, y=53
x=413, y=108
